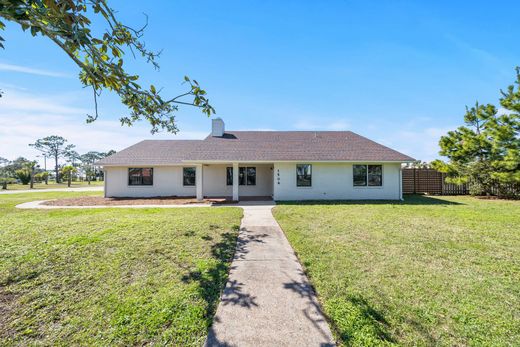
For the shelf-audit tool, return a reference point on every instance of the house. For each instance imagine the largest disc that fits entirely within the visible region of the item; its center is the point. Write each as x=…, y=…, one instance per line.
x=282, y=165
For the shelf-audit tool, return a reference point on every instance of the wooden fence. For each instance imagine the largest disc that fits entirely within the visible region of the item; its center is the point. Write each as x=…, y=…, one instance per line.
x=430, y=181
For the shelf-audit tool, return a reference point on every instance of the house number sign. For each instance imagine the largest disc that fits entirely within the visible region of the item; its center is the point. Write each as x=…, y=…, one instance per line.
x=278, y=176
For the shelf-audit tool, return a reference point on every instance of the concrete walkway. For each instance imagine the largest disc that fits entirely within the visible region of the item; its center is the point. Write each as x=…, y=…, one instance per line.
x=38, y=204
x=81, y=189
x=268, y=300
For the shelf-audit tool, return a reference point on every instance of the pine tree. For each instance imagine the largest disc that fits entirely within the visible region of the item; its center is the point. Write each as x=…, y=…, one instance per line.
x=486, y=150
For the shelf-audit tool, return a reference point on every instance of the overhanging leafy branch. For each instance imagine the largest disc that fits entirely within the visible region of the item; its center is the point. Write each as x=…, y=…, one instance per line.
x=100, y=57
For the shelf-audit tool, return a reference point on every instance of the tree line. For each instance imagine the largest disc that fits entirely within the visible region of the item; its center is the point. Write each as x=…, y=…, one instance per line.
x=53, y=148
x=484, y=153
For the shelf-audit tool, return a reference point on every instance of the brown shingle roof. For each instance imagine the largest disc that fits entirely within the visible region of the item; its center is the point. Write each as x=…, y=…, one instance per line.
x=258, y=146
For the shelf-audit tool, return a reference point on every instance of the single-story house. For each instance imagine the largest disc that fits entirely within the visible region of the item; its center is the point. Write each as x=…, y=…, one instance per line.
x=279, y=165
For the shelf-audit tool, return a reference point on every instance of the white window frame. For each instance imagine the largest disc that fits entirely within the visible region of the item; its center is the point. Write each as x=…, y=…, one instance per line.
x=368, y=186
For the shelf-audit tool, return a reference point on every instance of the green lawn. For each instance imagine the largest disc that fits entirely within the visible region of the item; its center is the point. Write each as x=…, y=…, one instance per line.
x=111, y=276
x=53, y=185
x=439, y=271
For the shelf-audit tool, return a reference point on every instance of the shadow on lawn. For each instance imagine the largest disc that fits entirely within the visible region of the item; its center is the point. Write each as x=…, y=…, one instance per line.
x=212, y=280
x=408, y=200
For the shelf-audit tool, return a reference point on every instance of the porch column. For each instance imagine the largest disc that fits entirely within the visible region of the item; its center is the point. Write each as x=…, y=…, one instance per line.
x=235, y=181
x=198, y=181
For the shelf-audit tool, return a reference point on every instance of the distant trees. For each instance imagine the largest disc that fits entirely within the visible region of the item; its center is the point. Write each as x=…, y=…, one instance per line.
x=24, y=175
x=486, y=150
x=88, y=160
x=55, y=147
x=27, y=171
x=68, y=171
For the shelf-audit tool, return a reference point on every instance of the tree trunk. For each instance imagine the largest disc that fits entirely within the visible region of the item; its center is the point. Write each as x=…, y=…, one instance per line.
x=70, y=179
x=32, y=177
x=57, y=168
x=46, y=179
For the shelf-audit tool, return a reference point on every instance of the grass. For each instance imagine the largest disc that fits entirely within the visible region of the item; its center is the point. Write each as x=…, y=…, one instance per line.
x=53, y=185
x=111, y=276
x=429, y=271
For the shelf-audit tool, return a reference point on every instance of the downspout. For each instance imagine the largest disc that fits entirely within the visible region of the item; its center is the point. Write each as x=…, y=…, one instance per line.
x=400, y=182
x=105, y=182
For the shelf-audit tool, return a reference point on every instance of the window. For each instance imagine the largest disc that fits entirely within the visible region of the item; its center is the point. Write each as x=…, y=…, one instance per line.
x=241, y=176
x=251, y=176
x=188, y=176
x=229, y=176
x=360, y=175
x=375, y=175
x=246, y=176
x=304, y=175
x=140, y=176
x=368, y=175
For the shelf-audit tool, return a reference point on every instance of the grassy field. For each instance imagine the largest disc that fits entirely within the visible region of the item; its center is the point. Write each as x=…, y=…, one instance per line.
x=53, y=185
x=111, y=276
x=429, y=271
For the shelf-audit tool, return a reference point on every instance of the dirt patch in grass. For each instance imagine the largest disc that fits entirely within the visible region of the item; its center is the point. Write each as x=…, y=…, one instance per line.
x=100, y=201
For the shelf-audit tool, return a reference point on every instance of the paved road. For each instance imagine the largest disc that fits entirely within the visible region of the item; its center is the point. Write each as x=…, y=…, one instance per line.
x=82, y=189
x=268, y=300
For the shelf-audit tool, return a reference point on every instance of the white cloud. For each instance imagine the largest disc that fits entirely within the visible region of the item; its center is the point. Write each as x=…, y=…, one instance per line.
x=25, y=117
x=31, y=71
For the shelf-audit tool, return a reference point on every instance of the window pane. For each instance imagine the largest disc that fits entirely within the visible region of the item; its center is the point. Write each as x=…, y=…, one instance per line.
x=229, y=176
x=251, y=176
x=188, y=178
x=147, y=175
x=360, y=175
x=375, y=175
x=140, y=176
x=304, y=175
x=242, y=176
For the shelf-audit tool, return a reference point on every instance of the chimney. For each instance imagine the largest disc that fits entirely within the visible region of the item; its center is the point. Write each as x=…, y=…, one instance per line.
x=217, y=127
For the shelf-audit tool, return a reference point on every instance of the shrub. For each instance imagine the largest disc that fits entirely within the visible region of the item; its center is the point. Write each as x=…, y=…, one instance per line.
x=23, y=175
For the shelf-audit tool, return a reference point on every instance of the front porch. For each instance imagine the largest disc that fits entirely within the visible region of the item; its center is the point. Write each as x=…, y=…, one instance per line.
x=235, y=181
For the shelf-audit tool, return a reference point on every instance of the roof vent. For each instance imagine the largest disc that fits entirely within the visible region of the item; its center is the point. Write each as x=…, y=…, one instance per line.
x=217, y=127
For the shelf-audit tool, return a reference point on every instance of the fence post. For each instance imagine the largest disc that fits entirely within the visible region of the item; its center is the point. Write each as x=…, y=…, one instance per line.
x=414, y=181
x=441, y=177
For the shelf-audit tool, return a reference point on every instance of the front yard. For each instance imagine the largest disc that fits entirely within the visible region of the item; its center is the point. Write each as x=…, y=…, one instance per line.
x=111, y=276
x=430, y=271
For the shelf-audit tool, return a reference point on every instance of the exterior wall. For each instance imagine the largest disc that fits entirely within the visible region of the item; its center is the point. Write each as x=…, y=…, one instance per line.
x=334, y=181
x=167, y=181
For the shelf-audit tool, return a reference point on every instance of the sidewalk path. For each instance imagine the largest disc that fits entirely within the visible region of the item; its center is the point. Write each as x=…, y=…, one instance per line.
x=81, y=189
x=268, y=300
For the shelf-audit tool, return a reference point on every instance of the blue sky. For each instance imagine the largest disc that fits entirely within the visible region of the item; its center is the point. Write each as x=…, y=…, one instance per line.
x=398, y=72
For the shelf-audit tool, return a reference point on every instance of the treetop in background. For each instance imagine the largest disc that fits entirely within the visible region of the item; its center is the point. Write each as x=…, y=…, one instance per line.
x=486, y=150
